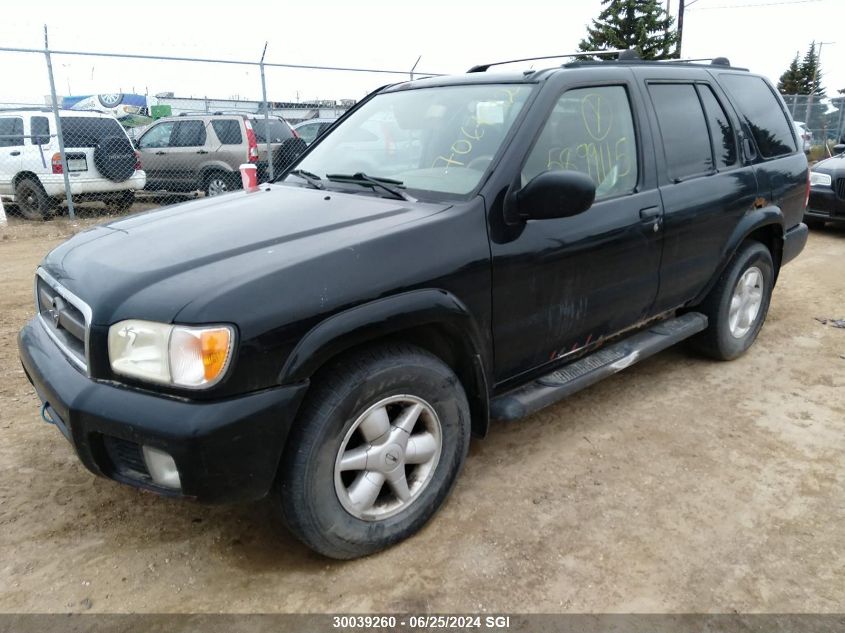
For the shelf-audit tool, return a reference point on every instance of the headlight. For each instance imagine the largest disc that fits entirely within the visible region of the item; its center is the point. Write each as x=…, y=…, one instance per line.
x=817, y=178
x=170, y=354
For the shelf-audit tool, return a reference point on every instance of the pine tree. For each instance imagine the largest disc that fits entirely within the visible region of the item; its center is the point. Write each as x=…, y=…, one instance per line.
x=815, y=111
x=642, y=25
x=791, y=81
x=809, y=67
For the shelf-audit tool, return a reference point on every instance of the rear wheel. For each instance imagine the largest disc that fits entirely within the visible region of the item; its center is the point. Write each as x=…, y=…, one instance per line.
x=376, y=450
x=33, y=202
x=218, y=183
x=737, y=306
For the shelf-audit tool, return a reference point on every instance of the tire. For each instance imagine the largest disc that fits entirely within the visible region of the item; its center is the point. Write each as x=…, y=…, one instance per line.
x=217, y=183
x=115, y=158
x=726, y=338
x=32, y=201
x=120, y=202
x=384, y=382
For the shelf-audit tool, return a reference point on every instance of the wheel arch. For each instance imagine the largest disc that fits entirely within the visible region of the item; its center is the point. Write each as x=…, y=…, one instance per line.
x=765, y=225
x=432, y=319
x=26, y=175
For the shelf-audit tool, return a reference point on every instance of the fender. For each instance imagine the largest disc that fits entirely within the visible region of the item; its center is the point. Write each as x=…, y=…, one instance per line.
x=392, y=315
x=769, y=218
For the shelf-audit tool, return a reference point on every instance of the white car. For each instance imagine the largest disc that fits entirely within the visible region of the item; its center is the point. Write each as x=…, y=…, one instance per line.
x=805, y=136
x=102, y=163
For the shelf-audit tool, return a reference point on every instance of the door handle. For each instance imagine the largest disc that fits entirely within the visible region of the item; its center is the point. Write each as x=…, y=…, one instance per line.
x=160, y=153
x=15, y=153
x=202, y=151
x=650, y=213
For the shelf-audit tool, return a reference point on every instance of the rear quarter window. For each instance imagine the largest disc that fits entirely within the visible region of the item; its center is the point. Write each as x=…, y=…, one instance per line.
x=88, y=131
x=761, y=110
x=228, y=131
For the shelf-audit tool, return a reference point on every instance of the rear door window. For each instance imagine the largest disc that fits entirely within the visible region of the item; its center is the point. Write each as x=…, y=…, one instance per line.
x=228, y=131
x=11, y=131
x=763, y=113
x=686, y=143
x=86, y=131
x=188, y=134
x=278, y=130
x=721, y=131
x=39, y=130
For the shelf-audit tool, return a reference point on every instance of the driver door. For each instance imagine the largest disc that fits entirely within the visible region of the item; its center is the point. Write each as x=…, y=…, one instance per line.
x=560, y=286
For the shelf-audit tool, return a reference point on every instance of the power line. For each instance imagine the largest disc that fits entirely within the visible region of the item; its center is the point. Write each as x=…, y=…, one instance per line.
x=752, y=6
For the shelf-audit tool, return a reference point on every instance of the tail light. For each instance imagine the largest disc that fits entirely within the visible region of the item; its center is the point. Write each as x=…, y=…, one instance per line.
x=137, y=160
x=57, y=163
x=807, y=195
x=295, y=135
x=252, y=153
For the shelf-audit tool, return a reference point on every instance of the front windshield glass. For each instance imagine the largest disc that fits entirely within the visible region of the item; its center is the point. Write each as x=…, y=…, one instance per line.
x=430, y=139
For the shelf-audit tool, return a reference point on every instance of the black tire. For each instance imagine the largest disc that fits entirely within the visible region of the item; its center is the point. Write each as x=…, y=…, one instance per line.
x=32, y=201
x=305, y=491
x=115, y=158
x=218, y=182
x=120, y=202
x=814, y=224
x=718, y=341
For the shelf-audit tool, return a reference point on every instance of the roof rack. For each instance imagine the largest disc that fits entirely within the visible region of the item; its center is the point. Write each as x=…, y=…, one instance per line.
x=484, y=67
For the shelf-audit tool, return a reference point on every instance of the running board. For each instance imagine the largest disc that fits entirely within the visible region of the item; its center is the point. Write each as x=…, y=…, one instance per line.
x=605, y=362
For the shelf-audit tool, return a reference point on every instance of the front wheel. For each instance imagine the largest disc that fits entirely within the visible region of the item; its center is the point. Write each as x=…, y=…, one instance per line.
x=737, y=306
x=375, y=452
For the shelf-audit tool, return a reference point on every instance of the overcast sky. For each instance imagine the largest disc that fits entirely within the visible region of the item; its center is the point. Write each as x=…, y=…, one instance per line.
x=450, y=35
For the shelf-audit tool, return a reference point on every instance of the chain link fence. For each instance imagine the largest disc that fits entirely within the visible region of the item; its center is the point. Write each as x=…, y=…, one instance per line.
x=822, y=120
x=106, y=153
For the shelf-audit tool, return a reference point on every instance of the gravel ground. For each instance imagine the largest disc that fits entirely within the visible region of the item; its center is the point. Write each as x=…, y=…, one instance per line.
x=679, y=485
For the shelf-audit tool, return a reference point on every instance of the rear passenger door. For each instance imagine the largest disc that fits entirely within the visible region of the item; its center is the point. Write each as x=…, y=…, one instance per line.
x=11, y=150
x=187, y=152
x=704, y=185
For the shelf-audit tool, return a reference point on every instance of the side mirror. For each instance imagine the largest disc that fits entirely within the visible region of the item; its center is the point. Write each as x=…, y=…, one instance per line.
x=839, y=149
x=551, y=194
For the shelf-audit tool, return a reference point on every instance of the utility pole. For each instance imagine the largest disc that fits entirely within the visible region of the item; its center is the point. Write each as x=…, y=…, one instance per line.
x=680, y=26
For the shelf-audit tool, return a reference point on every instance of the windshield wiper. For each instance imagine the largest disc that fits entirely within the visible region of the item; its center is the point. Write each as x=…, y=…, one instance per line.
x=387, y=184
x=312, y=179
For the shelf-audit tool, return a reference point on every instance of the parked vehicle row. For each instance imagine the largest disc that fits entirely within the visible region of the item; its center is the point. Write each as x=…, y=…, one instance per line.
x=175, y=154
x=101, y=161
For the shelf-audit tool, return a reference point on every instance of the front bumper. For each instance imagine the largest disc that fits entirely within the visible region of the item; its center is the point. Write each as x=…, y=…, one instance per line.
x=825, y=205
x=225, y=450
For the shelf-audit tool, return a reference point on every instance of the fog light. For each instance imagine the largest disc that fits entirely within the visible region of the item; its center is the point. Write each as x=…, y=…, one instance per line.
x=162, y=468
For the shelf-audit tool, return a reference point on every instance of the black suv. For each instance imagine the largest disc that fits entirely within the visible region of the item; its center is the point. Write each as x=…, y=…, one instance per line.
x=334, y=339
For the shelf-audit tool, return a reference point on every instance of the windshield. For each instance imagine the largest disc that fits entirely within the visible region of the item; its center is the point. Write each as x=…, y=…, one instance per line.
x=429, y=139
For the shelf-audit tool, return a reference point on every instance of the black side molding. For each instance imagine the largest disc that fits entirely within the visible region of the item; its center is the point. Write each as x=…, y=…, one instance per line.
x=586, y=371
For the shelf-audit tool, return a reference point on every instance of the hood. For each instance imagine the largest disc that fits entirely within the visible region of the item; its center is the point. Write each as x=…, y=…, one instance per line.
x=831, y=165
x=151, y=265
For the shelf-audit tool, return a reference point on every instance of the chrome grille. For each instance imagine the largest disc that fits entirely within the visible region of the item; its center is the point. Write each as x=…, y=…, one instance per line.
x=840, y=188
x=65, y=317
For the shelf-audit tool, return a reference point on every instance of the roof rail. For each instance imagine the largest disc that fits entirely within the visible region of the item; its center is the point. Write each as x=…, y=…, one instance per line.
x=714, y=61
x=484, y=67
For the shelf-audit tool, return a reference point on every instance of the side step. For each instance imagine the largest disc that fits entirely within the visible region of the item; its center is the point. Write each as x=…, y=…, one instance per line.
x=605, y=362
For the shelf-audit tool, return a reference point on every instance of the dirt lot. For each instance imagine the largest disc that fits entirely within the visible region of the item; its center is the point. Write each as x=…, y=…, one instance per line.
x=679, y=485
